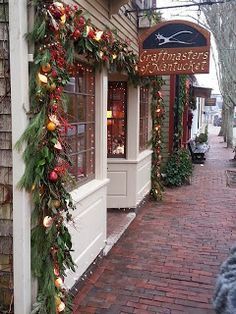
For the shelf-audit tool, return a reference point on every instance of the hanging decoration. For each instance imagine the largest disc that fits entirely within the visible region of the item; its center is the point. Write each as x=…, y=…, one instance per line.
x=60, y=33
x=158, y=114
x=181, y=102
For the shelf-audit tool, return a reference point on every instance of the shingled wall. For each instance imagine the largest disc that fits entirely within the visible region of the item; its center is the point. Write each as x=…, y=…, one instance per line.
x=6, y=272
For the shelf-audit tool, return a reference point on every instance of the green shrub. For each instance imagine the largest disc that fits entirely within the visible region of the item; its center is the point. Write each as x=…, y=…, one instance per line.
x=178, y=168
x=201, y=138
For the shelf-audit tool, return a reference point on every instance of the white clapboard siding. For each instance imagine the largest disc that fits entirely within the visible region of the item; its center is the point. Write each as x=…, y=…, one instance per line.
x=98, y=11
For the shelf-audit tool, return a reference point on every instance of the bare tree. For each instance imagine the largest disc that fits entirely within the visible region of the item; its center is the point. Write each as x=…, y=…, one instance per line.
x=220, y=19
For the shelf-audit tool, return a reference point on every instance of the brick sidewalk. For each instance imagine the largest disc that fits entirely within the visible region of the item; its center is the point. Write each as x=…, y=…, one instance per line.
x=168, y=259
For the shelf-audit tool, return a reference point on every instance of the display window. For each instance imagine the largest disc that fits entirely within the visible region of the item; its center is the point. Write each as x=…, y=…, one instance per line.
x=143, y=121
x=81, y=132
x=116, y=119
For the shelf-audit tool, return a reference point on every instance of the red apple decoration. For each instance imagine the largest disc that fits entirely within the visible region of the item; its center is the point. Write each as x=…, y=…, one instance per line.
x=53, y=176
x=76, y=34
x=81, y=21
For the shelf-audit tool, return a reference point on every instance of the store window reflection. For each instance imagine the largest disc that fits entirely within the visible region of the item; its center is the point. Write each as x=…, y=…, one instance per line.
x=143, y=125
x=81, y=114
x=116, y=119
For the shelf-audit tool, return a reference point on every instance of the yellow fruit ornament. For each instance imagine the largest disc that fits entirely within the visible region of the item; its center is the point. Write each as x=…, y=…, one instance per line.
x=51, y=126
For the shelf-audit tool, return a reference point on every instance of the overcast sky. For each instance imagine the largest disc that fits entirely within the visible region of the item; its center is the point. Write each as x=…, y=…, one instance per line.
x=206, y=80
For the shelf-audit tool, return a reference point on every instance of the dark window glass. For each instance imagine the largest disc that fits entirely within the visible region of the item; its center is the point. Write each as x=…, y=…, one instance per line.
x=116, y=119
x=143, y=126
x=81, y=134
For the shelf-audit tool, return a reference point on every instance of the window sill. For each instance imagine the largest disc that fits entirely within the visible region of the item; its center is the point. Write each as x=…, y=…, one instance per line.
x=141, y=156
x=145, y=153
x=86, y=189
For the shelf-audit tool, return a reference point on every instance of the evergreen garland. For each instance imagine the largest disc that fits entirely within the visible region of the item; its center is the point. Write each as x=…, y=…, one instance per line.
x=158, y=113
x=179, y=109
x=60, y=32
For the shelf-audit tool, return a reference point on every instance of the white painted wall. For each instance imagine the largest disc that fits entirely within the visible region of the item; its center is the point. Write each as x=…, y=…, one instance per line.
x=89, y=228
x=21, y=206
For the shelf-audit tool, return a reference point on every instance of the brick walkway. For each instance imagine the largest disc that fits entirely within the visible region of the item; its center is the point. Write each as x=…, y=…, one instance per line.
x=167, y=260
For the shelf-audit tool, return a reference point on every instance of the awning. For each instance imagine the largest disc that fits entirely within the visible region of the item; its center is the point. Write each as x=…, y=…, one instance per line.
x=115, y=5
x=203, y=92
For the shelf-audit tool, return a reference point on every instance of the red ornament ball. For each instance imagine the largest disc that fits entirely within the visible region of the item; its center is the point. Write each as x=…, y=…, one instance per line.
x=53, y=176
x=81, y=21
x=76, y=34
x=54, y=107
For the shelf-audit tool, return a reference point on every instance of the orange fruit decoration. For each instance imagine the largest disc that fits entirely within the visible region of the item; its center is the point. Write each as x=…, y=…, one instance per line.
x=46, y=67
x=51, y=126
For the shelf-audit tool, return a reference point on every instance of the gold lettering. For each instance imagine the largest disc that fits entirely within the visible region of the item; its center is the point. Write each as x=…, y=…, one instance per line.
x=170, y=67
x=184, y=55
x=205, y=56
x=203, y=65
x=153, y=67
x=180, y=66
x=143, y=56
x=171, y=56
x=164, y=55
x=194, y=56
x=178, y=58
x=189, y=54
x=197, y=66
x=200, y=55
x=191, y=66
x=184, y=66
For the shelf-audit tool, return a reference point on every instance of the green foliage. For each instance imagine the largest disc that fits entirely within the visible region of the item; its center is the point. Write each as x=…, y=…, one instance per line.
x=152, y=16
x=180, y=103
x=61, y=32
x=158, y=113
x=202, y=137
x=178, y=168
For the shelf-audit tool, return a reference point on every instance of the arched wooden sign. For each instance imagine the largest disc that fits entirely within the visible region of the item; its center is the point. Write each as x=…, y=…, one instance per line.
x=174, y=47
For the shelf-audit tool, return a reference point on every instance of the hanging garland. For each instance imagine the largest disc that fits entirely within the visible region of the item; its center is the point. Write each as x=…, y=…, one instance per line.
x=179, y=109
x=60, y=32
x=158, y=114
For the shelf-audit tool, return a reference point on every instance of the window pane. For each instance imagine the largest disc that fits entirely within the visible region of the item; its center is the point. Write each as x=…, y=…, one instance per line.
x=90, y=108
x=90, y=136
x=81, y=166
x=116, y=119
x=81, y=135
x=143, y=129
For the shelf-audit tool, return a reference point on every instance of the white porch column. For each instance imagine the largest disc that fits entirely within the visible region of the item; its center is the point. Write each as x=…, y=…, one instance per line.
x=21, y=206
x=133, y=123
x=101, y=90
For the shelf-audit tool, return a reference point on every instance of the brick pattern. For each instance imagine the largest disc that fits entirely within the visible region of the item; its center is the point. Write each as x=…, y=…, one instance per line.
x=168, y=259
x=6, y=273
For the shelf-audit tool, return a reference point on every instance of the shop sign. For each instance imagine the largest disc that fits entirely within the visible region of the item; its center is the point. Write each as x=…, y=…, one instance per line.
x=174, y=47
x=210, y=102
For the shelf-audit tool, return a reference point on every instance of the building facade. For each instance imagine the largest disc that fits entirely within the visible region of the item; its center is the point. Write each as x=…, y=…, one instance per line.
x=109, y=136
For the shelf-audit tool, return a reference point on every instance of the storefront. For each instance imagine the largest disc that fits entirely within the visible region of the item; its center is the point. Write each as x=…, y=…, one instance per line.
x=108, y=138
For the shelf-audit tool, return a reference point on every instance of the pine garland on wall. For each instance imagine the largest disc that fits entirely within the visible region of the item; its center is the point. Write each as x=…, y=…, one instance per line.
x=158, y=114
x=60, y=32
x=180, y=103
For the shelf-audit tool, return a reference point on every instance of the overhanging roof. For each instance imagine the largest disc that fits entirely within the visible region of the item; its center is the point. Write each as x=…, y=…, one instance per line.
x=203, y=92
x=115, y=5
